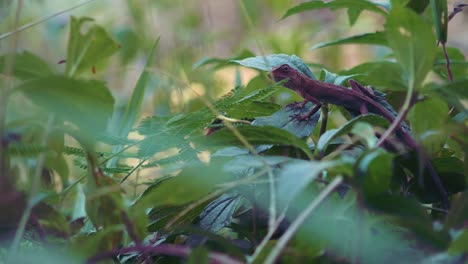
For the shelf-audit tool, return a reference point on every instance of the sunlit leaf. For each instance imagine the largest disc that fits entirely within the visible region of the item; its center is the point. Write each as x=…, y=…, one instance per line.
x=25, y=65
x=87, y=48
x=267, y=63
x=354, y=8
x=413, y=43
x=87, y=104
x=376, y=38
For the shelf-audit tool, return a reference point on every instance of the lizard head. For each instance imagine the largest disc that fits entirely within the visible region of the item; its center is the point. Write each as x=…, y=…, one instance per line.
x=286, y=72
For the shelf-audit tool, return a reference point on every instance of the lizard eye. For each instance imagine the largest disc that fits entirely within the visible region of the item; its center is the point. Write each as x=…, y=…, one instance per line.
x=285, y=68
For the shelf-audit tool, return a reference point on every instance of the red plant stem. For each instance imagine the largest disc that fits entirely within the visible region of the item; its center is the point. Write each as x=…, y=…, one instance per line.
x=447, y=63
x=163, y=249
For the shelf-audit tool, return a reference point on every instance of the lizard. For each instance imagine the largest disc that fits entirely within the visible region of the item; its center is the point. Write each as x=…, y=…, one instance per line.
x=358, y=99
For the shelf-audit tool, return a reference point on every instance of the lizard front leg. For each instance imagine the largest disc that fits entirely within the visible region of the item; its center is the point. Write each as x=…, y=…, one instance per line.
x=300, y=117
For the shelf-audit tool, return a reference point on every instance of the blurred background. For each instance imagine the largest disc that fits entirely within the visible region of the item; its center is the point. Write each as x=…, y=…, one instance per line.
x=192, y=30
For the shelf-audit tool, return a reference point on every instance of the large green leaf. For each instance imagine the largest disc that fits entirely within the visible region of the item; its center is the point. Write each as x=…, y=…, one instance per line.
x=375, y=172
x=87, y=49
x=376, y=38
x=25, y=66
x=267, y=63
x=87, y=104
x=354, y=7
x=426, y=118
x=413, y=43
x=259, y=135
x=296, y=175
x=191, y=184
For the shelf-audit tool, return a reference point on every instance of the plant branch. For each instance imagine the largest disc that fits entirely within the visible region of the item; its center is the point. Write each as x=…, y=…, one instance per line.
x=447, y=63
x=163, y=249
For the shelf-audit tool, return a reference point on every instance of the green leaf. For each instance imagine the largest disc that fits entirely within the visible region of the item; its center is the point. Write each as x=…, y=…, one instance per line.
x=330, y=77
x=375, y=171
x=296, y=175
x=199, y=255
x=440, y=18
x=460, y=244
x=458, y=213
x=332, y=134
x=453, y=93
x=386, y=74
x=219, y=213
x=413, y=43
x=26, y=66
x=283, y=119
x=191, y=184
x=87, y=50
x=218, y=62
x=458, y=64
x=267, y=63
x=134, y=105
x=87, y=104
x=253, y=110
x=259, y=135
x=427, y=117
x=376, y=38
x=418, y=6
x=354, y=8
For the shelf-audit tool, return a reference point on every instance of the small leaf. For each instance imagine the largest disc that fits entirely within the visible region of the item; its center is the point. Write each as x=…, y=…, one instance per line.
x=332, y=134
x=376, y=38
x=453, y=93
x=267, y=63
x=26, y=66
x=355, y=6
x=87, y=49
x=87, y=104
x=413, y=43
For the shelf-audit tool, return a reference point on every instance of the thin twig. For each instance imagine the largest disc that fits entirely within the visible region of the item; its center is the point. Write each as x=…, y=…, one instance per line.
x=283, y=241
x=32, y=24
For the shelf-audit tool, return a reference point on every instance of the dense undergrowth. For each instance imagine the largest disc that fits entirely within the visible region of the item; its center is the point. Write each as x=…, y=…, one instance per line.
x=237, y=178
